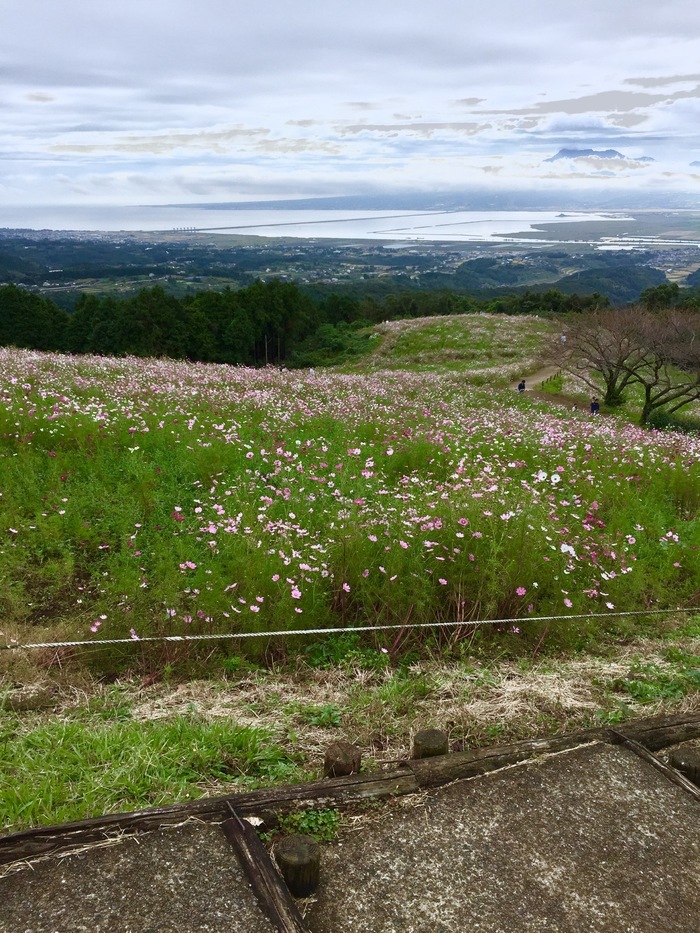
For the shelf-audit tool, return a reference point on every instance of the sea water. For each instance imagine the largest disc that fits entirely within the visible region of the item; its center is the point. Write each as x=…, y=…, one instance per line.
x=458, y=226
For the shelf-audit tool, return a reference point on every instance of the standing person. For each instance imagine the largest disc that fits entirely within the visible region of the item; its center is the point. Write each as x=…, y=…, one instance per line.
x=521, y=385
x=595, y=405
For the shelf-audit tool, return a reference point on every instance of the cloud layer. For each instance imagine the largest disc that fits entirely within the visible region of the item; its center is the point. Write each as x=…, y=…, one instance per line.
x=181, y=101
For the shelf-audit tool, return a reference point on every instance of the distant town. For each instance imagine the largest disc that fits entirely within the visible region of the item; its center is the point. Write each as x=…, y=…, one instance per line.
x=617, y=257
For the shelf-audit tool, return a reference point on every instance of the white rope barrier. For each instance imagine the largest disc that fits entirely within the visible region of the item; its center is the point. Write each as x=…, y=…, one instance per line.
x=335, y=631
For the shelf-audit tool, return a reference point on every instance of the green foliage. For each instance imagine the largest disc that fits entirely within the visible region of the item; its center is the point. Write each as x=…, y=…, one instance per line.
x=257, y=325
x=334, y=344
x=666, y=295
x=674, y=421
x=264, y=323
x=553, y=385
x=322, y=825
x=691, y=629
x=27, y=320
x=236, y=664
x=612, y=717
x=326, y=716
x=346, y=650
x=649, y=683
x=403, y=691
x=621, y=283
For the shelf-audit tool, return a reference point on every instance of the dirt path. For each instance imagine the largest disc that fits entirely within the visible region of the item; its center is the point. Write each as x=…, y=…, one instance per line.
x=542, y=375
x=539, y=377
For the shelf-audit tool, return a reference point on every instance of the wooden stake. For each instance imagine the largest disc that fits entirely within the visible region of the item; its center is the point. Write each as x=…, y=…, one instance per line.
x=341, y=759
x=268, y=887
x=687, y=761
x=430, y=742
x=299, y=860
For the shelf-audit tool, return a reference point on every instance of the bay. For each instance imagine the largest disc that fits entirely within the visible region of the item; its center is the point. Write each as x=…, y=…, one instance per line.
x=390, y=225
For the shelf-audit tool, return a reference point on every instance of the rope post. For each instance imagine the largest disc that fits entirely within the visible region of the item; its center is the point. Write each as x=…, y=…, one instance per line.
x=342, y=758
x=430, y=742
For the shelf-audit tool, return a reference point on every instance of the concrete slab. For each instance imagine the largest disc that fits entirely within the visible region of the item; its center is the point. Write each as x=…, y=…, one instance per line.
x=173, y=881
x=593, y=839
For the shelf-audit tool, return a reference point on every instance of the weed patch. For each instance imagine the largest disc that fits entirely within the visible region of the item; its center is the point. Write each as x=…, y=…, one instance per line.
x=322, y=824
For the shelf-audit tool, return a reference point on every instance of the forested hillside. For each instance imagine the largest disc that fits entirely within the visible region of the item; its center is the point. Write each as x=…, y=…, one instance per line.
x=266, y=322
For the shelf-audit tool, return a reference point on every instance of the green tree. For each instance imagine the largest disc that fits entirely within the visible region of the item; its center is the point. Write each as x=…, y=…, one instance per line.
x=152, y=323
x=28, y=320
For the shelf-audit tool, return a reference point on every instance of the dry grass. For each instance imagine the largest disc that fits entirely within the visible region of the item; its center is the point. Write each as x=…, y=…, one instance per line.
x=302, y=709
x=307, y=708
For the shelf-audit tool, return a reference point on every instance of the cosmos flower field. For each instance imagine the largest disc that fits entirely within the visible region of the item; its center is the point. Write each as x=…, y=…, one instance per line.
x=157, y=497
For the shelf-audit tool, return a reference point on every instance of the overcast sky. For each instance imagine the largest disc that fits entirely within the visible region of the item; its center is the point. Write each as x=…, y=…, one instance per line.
x=162, y=101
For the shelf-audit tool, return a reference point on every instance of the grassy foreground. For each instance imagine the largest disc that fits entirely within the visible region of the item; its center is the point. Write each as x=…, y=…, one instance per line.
x=134, y=743
x=148, y=497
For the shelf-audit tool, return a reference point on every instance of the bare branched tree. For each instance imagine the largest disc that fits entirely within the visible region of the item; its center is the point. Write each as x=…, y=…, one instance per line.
x=670, y=374
x=659, y=351
x=604, y=343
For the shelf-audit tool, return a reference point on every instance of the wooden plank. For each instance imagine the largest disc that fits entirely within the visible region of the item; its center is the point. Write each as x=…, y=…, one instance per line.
x=269, y=888
x=662, y=731
x=674, y=776
x=332, y=792
x=443, y=769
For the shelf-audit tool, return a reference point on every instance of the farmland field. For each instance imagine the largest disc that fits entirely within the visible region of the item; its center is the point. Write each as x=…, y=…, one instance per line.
x=150, y=497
